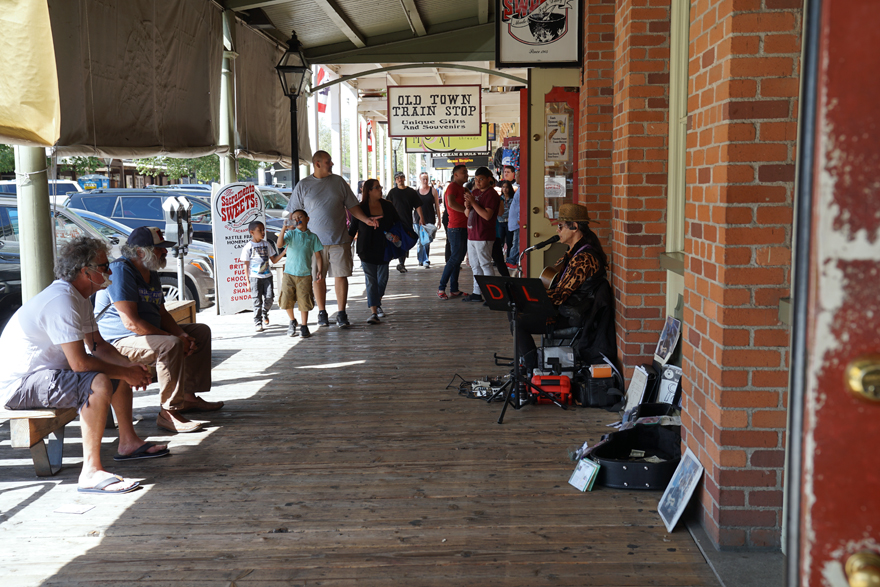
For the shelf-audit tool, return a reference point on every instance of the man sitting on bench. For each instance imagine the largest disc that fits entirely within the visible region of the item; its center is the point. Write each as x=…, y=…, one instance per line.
x=44, y=350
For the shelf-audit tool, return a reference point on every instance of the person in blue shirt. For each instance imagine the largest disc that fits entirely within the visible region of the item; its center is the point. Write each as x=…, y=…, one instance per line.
x=303, y=260
x=259, y=254
x=132, y=317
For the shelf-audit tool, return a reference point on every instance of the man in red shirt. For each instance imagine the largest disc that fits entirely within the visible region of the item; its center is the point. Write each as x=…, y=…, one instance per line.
x=482, y=208
x=456, y=232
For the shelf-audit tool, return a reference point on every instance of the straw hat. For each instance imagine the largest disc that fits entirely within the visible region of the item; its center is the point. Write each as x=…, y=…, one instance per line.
x=574, y=213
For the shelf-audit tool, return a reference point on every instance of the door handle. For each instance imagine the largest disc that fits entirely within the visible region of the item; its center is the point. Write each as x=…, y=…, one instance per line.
x=863, y=377
x=863, y=569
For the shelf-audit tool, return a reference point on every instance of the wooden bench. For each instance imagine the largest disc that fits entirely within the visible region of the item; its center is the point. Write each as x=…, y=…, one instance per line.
x=42, y=431
x=29, y=428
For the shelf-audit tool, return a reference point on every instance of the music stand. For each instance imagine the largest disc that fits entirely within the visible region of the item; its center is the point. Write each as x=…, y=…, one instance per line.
x=517, y=296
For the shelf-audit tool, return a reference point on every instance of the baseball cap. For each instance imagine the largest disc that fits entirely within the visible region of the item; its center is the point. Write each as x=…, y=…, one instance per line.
x=399, y=174
x=148, y=236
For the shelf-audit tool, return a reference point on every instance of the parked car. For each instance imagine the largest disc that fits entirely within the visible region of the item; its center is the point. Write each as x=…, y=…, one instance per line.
x=10, y=281
x=275, y=200
x=58, y=189
x=199, y=267
x=140, y=207
x=143, y=207
x=203, y=188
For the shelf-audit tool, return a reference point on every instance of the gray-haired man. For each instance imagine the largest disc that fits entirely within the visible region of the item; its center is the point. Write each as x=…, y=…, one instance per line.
x=46, y=364
x=138, y=325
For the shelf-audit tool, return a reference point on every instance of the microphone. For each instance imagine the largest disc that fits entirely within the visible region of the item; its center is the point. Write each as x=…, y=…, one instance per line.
x=549, y=241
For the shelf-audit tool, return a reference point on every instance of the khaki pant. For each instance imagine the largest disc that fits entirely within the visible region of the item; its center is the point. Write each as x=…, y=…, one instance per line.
x=178, y=374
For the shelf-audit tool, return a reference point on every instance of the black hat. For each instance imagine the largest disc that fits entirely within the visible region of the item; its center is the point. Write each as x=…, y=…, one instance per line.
x=148, y=236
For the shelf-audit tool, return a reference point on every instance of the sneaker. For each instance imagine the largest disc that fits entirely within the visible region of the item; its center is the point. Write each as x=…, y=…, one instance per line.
x=266, y=321
x=258, y=327
x=401, y=268
x=380, y=312
x=342, y=319
x=373, y=319
x=323, y=319
x=426, y=264
x=472, y=298
x=291, y=328
x=304, y=331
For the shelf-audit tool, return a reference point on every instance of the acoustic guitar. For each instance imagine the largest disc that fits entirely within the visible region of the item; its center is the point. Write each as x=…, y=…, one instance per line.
x=550, y=276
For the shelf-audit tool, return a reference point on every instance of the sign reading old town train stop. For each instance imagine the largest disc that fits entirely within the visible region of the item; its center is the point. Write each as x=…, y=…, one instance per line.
x=234, y=206
x=429, y=111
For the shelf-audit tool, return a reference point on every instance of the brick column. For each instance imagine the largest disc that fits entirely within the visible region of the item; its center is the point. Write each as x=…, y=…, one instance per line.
x=742, y=113
x=640, y=134
x=596, y=95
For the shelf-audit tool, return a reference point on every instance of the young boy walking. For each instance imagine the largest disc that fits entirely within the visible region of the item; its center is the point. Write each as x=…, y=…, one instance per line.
x=259, y=254
x=303, y=256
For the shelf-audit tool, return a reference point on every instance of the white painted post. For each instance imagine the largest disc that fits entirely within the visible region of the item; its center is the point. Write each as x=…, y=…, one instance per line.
x=227, y=110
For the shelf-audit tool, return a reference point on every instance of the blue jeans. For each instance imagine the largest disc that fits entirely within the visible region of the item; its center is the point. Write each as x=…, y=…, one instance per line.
x=457, y=238
x=513, y=250
x=377, y=279
x=423, y=251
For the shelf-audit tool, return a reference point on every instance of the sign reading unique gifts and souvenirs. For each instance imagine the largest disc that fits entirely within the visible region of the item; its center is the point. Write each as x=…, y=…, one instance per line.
x=448, y=144
x=538, y=32
x=430, y=111
x=234, y=206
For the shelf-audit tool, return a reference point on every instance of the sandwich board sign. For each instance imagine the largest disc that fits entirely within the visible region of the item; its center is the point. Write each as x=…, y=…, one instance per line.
x=233, y=207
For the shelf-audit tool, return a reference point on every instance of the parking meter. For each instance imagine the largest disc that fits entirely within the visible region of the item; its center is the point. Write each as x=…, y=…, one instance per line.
x=178, y=229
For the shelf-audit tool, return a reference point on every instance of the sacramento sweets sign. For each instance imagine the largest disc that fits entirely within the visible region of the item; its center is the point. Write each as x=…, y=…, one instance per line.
x=545, y=33
x=419, y=111
x=234, y=206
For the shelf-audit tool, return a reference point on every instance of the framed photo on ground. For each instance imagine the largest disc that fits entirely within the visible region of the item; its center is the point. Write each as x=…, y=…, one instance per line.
x=532, y=34
x=680, y=489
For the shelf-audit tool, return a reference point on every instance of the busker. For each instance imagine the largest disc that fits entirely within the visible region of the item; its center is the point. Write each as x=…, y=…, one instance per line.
x=582, y=295
x=46, y=364
x=325, y=197
x=132, y=316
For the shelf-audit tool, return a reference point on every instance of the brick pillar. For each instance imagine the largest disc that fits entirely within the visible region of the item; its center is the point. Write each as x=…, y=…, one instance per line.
x=596, y=95
x=640, y=134
x=742, y=113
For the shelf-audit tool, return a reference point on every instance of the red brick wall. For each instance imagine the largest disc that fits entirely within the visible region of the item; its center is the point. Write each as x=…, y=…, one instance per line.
x=742, y=112
x=639, y=139
x=596, y=95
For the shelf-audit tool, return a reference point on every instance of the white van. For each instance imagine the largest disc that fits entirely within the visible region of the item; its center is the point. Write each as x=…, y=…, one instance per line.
x=58, y=189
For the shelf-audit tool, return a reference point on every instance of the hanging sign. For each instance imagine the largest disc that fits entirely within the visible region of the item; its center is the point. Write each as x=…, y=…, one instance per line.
x=430, y=111
x=472, y=161
x=545, y=33
x=477, y=144
x=234, y=206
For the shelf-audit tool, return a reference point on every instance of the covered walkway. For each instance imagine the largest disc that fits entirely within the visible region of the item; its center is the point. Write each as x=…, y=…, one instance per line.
x=341, y=460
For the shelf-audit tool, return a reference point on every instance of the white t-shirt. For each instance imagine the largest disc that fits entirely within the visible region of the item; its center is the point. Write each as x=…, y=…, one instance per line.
x=258, y=257
x=33, y=337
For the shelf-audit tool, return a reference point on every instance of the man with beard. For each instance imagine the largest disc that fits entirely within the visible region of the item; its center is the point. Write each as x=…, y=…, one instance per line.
x=132, y=317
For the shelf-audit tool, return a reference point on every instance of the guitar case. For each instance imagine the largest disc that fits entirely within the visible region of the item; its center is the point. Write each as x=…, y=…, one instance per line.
x=619, y=470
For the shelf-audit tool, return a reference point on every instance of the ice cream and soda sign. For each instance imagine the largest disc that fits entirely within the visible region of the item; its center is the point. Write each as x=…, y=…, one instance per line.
x=234, y=206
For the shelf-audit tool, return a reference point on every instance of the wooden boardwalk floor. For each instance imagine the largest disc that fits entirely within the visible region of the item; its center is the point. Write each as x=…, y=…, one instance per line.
x=342, y=460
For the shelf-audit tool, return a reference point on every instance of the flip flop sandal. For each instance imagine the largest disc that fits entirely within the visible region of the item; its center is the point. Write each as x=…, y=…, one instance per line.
x=442, y=295
x=141, y=453
x=102, y=486
x=456, y=294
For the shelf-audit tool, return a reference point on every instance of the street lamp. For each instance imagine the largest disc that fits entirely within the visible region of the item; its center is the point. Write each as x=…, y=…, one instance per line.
x=295, y=74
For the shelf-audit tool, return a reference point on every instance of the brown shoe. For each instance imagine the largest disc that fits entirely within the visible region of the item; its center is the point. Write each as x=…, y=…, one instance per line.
x=172, y=421
x=200, y=405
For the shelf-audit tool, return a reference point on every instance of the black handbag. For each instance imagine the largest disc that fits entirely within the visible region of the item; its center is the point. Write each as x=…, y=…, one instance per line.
x=619, y=469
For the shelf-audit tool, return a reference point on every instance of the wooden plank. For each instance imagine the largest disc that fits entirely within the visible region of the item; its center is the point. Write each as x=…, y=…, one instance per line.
x=183, y=312
x=28, y=432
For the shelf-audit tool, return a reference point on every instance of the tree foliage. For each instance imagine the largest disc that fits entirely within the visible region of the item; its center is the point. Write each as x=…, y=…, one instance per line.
x=204, y=169
x=86, y=165
x=7, y=159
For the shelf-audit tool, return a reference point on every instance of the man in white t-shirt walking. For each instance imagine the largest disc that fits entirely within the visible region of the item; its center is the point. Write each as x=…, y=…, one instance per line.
x=46, y=364
x=325, y=197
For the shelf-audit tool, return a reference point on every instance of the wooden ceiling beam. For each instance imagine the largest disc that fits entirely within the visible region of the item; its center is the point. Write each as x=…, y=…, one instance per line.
x=413, y=17
x=342, y=22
